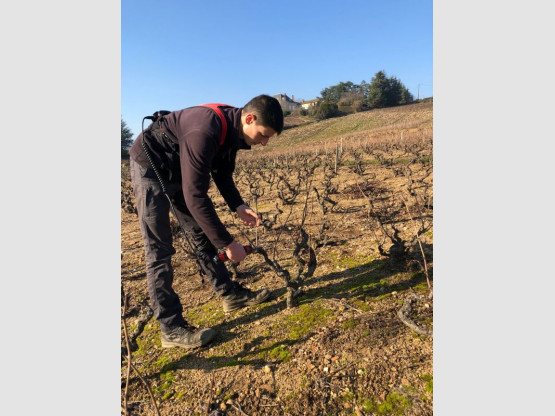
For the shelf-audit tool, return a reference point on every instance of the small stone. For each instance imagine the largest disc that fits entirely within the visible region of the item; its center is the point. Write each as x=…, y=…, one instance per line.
x=223, y=406
x=267, y=369
x=326, y=369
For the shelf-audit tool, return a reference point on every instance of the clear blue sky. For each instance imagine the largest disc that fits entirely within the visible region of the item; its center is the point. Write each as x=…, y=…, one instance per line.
x=176, y=54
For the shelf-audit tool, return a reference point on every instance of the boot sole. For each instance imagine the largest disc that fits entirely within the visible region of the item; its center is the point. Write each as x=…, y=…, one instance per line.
x=171, y=344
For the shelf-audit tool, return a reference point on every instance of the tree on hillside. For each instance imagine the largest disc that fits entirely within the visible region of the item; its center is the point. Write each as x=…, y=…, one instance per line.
x=333, y=93
x=378, y=91
x=387, y=92
x=126, y=138
x=349, y=96
x=344, y=92
x=325, y=109
x=406, y=96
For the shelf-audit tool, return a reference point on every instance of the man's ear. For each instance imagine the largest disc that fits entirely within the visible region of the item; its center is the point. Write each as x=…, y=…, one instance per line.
x=250, y=118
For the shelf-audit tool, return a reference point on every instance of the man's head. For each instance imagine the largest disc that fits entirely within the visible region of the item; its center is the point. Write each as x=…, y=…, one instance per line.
x=261, y=119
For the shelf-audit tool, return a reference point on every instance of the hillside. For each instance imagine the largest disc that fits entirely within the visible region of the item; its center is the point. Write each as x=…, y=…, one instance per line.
x=347, y=205
x=379, y=123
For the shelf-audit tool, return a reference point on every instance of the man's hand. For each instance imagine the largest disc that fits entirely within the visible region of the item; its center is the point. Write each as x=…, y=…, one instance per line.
x=235, y=252
x=248, y=216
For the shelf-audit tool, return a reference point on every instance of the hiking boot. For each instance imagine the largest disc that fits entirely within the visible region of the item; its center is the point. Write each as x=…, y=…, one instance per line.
x=240, y=297
x=187, y=337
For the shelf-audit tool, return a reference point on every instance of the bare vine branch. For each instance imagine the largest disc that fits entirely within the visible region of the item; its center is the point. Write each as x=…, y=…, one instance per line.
x=130, y=365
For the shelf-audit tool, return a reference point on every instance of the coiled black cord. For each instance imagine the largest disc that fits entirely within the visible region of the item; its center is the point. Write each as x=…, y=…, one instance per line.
x=147, y=152
x=163, y=185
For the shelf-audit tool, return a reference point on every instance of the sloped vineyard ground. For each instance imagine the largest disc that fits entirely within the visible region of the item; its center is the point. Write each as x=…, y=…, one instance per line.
x=351, y=216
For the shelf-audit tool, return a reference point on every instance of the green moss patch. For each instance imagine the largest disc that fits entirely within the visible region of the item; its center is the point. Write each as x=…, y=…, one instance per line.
x=220, y=362
x=207, y=315
x=165, y=388
x=350, y=324
x=395, y=404
x=309, y=317
x=350, y=262
x=360, y=304
x=429, y=382
x=149, y=338
x=279, y=353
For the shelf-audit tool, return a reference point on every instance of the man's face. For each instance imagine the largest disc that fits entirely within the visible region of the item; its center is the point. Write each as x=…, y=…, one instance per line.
x=253, y=133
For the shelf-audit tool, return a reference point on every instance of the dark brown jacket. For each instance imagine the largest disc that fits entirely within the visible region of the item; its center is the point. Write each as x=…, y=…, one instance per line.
x=184, y=146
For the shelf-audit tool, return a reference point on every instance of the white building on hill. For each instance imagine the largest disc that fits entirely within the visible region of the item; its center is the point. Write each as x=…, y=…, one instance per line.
x=309, y=103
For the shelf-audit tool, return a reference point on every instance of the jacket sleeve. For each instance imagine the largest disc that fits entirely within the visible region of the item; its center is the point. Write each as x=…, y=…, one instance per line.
x=196, y=154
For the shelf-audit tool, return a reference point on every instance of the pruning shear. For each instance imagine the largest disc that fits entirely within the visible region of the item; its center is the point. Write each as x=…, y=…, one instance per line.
x=221, y=257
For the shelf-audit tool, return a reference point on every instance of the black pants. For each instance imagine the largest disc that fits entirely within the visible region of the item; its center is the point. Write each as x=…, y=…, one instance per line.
x=153, y=209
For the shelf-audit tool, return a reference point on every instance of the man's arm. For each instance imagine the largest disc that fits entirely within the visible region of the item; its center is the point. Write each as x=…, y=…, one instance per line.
x=223, y=178
x=197, y=151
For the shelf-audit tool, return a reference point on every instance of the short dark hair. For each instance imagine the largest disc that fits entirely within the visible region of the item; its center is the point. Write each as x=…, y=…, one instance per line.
x=268, y=110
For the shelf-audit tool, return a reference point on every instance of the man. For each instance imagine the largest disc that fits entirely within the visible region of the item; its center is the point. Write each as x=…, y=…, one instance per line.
x=186, y=150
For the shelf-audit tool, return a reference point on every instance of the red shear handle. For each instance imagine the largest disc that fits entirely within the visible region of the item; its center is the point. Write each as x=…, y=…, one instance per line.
x=220, y=257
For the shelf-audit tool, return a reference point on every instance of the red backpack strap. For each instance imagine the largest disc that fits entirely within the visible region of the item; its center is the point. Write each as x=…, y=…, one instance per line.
x=216, y=108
